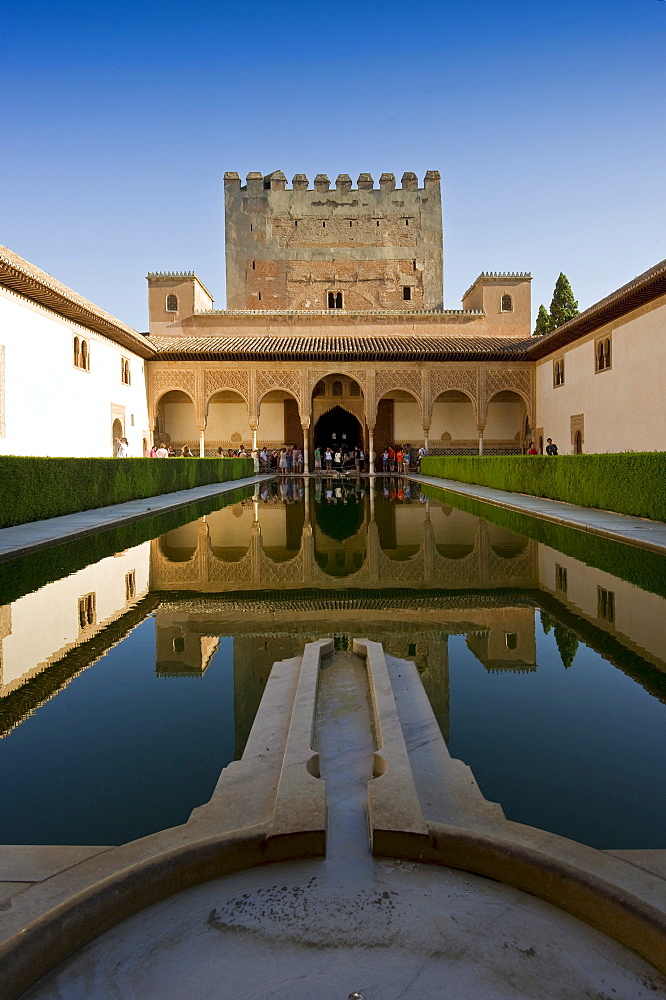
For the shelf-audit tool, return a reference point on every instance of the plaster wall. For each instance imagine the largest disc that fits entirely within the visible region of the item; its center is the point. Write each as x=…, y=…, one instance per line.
x=226, y=420
x=622, y=407
x=454, y=418
x=53, y=408
x=45, y=624
x=407, y=426
x=504, y=421
x=270, y=429
x=640, y=617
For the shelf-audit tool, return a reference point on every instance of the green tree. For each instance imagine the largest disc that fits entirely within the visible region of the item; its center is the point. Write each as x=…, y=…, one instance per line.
x=567, y=643
x=564, y=306
x=543, y=323
x=546, y=621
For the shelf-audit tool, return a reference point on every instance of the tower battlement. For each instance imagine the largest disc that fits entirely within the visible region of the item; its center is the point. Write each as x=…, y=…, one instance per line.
x=337, y=247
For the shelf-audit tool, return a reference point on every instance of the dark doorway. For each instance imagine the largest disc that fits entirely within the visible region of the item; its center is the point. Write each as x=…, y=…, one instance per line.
x=338, y=428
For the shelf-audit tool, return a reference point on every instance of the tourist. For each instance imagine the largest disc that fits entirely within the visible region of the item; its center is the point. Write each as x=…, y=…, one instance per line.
x=532, y=449
x=391, y=454
x=399, y=456
x=328, y=458
x=153, y=452
x=123, y=448
x=255, y=459
x=337, y=460
x=298, y=461
x=423, y=451
x=186, y=453
x=405, y=461
x=283, y=462
x=551, y=449
x=385, y=460
x=162, y=451
x=317, y=460
x=264, y=459
x=219, y=453
x=361, y=456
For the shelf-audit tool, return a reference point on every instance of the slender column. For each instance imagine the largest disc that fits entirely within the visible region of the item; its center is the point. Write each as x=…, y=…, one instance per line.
x=202, y=445
x=306, y=447
x=426, y=432
x=371, y=449
x=254, y=437
x=480, y=440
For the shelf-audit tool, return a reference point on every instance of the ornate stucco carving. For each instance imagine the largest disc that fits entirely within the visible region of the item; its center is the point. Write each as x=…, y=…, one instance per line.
x=226, y=379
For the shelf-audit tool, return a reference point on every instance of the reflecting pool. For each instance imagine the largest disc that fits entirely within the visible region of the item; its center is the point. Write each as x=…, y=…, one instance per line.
x=132, y=667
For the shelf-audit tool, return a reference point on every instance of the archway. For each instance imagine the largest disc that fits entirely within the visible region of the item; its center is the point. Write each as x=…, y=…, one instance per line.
x=279, y=420
x=505, y=424
x=578, y=443
x=116, y=434
x=338, y=427
x=227, y=423
x=453, y=425
x=176, y=421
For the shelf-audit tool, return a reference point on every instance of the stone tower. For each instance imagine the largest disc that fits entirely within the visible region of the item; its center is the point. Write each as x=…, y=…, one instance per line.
x=343, y=248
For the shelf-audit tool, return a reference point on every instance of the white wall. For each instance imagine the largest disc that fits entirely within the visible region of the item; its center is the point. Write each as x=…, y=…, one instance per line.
x=44, y=625
x=623, y=407
x=51, y=407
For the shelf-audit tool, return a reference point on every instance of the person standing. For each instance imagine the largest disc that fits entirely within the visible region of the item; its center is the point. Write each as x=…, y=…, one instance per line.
x=123, y=448
x=186, y=453
x=317, y=460
x=328, y=458
x=423, y=451
x=399, y=456
x=391, y=455
x=162, y=451
x=551, y=447
x=532, y=449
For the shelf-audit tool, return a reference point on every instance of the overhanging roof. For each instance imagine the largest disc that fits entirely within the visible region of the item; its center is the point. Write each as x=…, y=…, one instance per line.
x=645, y=288
x=23, y=277
x=306, y=348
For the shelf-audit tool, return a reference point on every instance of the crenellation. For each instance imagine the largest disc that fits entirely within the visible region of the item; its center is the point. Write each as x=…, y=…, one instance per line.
x=390, y=238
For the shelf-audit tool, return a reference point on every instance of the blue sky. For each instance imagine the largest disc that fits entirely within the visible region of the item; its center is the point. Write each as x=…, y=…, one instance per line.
x=546, y=121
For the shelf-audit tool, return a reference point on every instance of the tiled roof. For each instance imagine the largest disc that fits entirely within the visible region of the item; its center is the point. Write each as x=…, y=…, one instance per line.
x=643, y=289
x=306, y=348
x=23, y=277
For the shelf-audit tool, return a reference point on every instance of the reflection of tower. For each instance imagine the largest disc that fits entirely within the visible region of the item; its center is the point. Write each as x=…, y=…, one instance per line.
x=254, y=656
x=435, y=678
x=509, y=643
x=179, y=651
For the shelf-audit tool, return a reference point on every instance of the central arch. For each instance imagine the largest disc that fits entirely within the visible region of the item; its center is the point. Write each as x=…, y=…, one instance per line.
x=338, y=427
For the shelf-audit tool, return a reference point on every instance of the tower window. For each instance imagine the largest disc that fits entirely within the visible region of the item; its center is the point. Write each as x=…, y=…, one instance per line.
x=350, y=223
x=259, y=296
x=87, y=611
x=377, y=221
x=125, y=377
x=354, y=389
x=507, y=304
x=561, y=578
x=337, y=388
x=407, y=293
x=323, y=225
x=558, y=372
x=335, y=300
x=406, y=222
x=511, y=640
x=606, y=605
x=413, y=265
x=254, y=265
x=172, y=303
x=320, y=388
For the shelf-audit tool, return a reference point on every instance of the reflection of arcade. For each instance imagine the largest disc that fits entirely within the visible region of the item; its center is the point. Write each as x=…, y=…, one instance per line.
x=353, y=540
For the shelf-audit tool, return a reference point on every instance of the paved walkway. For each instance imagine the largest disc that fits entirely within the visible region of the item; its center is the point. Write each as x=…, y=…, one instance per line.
x=24, y=538
x=621, y=527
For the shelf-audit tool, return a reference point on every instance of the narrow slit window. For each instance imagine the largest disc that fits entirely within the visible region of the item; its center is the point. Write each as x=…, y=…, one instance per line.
x=87, y=611
x=130, y=585
x=606, y=605
x=259, y=296
x=561, y=578
x=413, y=265
x=254, y=265
x=77, y=352
x=407, y=293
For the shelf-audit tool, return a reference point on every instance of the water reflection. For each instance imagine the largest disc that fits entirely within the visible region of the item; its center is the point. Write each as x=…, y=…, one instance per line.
x=249, y=584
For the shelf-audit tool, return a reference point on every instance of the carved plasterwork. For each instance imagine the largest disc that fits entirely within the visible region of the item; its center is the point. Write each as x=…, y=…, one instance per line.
x=452, y=379
x=409, y=380
x=220, y=380
x=509, y=379
x=577, y=424
x=288, y=381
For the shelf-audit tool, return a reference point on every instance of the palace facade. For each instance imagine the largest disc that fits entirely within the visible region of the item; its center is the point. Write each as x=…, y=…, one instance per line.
x=336, y=334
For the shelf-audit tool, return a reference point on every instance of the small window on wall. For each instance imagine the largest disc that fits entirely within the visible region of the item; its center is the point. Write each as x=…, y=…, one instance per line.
x=81, y=354
x=337, y=388
x=320, y=388
x=558, y=372
x=335, y=300
x=511, y=640
x=172, y=303
x=125, y=375
x=354, y=389
x=606, y=605
x=130, y=585
x=603, y=354
x=507, y=304
x=407, y=293
x=560, y=578
x=87, y=611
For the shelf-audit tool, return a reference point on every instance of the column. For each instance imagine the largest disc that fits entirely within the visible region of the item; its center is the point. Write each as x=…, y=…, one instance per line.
x=371, y=449
x=426, y=443
x=254, y=436
x=480, y=440
x=202, y=445
x=306, y=446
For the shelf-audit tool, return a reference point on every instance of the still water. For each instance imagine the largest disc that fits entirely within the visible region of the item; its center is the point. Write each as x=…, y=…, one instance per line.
x=132, y=668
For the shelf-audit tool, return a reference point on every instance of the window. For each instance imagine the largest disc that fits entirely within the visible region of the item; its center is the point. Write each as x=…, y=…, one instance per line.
x=87, y=611
x=354, y=389
x=350, y=223
x=259, y=296
x=335, y=300
x=558, y=372
x=406, y=222
x=323, y=225
x=511, y=640
x=411, y=649
x=320, y=388
x=130, y=585
x=560, y=578
x=578, y=443
x=602, y=354
x=178, y=644
x=413, y=265
x=172, y=303
x=125, y=376
x=81, y=354
x=606, y=605
x=507, y=304
x=407, y=292
x=337, y=388
x=254, y=265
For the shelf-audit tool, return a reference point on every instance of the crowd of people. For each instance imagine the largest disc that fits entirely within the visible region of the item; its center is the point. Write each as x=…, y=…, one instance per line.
x=289, y=460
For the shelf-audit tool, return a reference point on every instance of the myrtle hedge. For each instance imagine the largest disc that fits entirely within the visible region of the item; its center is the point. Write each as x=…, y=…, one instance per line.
x=627, y=483
x=32, y=489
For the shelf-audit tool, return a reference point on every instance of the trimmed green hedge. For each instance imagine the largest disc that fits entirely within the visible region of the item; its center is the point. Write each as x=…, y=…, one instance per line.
x=627, y=483
x=32, y=489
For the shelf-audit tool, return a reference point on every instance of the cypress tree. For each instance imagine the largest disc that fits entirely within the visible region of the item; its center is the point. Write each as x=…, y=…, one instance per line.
x=567, y=644
x=543, y=323
x=564, y=306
